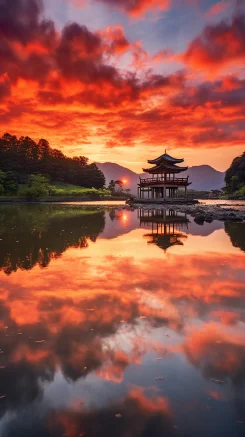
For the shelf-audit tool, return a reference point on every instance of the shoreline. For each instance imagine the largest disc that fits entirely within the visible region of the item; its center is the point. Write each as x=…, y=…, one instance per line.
x=60, y=199
x=201, y=212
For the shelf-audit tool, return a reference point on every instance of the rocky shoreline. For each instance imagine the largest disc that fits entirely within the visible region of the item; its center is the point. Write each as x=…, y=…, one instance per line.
x=202, y=212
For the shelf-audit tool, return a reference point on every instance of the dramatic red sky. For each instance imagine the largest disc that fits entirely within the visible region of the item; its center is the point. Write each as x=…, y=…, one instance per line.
x=121, y=80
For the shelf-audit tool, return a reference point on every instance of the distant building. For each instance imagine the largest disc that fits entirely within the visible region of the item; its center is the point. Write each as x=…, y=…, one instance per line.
x=163, y=183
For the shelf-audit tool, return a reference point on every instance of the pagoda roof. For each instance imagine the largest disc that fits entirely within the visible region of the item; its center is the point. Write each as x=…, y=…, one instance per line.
x=166, y=241
x=167, y=158
x=164, y=166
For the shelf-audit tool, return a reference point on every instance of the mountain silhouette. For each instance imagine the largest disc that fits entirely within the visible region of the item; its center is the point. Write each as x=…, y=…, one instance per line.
x=203, y=177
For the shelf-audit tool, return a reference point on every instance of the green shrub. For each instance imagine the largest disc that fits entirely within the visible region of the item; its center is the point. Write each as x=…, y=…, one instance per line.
x=33, y=192
x=38, y=186
x=1, y=190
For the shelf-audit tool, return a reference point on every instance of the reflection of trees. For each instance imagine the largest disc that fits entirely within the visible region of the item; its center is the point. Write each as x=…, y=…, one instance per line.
x=35, y=234
x=236, y=232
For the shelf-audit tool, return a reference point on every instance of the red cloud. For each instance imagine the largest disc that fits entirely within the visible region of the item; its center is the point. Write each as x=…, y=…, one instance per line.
x=218, y=8
x=218, y=45
x=67, y=85
x=132, y=7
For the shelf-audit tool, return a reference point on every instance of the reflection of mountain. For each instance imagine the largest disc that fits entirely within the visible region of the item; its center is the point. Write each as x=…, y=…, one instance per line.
x=236, y=233
x=32, y=234
x=165, y=227
x=120, y=222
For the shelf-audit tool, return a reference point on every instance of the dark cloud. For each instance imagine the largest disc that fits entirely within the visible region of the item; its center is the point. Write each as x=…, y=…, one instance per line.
x=20, y=21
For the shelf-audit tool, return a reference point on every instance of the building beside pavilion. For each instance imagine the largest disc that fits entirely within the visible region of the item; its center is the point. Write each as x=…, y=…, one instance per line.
x=164, y=182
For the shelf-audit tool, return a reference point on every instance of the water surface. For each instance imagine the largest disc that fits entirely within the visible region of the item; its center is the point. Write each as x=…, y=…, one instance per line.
x=120, y=323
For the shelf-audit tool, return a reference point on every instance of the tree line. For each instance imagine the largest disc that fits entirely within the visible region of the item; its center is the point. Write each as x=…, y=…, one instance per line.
x=235, y=176
x=22, y=157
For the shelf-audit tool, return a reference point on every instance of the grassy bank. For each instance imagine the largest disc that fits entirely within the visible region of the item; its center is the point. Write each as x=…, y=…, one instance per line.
x=60, y=189
x=64, y=193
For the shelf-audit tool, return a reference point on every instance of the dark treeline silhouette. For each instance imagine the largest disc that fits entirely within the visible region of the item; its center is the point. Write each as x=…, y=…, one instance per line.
x=31, y=235
x=24, y=156
x=235, y=175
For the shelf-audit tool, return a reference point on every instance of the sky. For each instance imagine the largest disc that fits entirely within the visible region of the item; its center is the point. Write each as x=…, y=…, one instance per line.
x=123, y=80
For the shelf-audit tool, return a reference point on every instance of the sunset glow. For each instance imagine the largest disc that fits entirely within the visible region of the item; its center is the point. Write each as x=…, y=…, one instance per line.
x=120, y=81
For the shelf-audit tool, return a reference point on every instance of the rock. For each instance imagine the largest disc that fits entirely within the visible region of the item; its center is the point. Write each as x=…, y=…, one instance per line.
x=199, y=219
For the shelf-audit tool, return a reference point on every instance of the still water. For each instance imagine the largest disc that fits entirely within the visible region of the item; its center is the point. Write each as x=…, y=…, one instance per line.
x=120, y=323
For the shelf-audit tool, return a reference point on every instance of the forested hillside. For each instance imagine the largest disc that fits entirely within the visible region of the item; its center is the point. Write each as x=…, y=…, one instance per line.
x=22, y=157
x=235, y=176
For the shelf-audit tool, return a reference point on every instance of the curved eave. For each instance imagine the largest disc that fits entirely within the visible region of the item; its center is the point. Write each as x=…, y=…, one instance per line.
x=164, y=169
x=165, y=157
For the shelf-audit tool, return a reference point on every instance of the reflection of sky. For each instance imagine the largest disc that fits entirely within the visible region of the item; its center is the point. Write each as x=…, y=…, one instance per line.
x=115, y=316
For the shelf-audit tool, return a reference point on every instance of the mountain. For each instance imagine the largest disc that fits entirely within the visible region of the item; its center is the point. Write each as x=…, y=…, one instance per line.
x=115, y=172
x=203, y=177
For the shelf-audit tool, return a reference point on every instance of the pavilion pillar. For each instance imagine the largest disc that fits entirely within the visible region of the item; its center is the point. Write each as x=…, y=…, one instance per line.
x=185, y=192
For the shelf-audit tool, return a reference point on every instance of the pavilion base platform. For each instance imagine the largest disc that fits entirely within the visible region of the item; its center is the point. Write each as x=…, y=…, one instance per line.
x=166, y=201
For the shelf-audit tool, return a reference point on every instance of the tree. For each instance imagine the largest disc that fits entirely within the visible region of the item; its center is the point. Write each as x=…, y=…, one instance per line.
x=24, y=156
x=38, y=186
x=115, y=186
x=8, y=183
x=112, y=186
x=235, y=175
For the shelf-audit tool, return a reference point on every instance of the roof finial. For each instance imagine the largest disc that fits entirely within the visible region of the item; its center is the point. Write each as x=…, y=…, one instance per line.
x=165, y=151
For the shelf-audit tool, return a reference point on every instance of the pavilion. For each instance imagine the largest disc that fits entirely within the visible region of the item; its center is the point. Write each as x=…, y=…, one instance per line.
x=164, y=183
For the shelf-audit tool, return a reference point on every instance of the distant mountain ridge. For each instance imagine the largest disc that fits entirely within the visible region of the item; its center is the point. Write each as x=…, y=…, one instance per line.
x=203, y=177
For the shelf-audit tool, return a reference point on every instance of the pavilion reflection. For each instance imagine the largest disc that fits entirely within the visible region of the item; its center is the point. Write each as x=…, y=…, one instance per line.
x=165, y=225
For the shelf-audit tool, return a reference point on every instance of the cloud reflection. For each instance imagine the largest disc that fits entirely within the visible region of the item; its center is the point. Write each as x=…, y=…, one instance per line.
x=99, y=313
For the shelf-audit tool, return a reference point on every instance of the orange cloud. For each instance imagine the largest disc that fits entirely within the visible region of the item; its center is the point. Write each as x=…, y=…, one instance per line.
x=67, y=86
x=218, y=46
x=218, y=353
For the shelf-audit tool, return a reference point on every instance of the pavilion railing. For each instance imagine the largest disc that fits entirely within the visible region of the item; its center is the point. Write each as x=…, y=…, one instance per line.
x=156, y=181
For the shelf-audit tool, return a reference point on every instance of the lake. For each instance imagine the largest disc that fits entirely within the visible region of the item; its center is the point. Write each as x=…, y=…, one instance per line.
x=120, y=323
